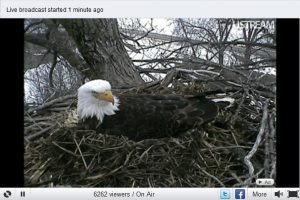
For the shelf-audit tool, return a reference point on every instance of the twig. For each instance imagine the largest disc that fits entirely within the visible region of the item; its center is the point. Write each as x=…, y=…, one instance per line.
x=257, y=142
x=169, y=77
x=85, y=165
x=36, y=135
x=51, y=103
x=272, y=147
x=197, y=71
x=238, y=110
x=268, y=160
x=211, y=176
x=64, y=149
x=228, y=147
x=247, y=182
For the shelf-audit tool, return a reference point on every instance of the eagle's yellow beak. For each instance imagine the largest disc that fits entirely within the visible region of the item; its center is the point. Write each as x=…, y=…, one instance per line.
x=107, y=96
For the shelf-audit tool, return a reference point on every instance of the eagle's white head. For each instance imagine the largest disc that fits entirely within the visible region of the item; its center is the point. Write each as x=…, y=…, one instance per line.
x=95, y=99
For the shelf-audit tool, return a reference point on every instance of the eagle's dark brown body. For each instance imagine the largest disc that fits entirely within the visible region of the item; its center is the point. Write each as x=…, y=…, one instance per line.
x=155, y=116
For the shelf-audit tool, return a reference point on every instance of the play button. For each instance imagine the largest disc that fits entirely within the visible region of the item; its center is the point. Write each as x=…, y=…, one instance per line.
x=265, y=181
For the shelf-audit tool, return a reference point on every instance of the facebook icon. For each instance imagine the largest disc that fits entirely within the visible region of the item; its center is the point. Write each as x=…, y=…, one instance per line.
x=239, y=193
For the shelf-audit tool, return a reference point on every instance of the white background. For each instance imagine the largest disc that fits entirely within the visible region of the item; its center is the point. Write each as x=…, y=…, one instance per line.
x=168, y=8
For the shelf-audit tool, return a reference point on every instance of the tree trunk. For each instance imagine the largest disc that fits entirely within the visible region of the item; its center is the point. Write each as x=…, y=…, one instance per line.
x=100, y=44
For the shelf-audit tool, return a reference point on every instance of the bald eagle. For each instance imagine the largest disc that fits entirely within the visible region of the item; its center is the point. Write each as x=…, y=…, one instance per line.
x=140, y=116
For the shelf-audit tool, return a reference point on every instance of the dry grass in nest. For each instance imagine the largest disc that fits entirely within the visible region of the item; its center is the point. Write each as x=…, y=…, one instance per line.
x=199, y=158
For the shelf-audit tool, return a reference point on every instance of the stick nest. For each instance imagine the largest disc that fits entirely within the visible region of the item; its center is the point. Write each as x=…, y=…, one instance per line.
x=208, y=156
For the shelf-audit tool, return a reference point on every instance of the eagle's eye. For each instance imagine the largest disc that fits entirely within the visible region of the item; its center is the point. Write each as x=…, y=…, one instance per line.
x=94, y=92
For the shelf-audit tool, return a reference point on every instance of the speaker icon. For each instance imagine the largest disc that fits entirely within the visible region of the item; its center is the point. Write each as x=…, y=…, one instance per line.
x=278, y=194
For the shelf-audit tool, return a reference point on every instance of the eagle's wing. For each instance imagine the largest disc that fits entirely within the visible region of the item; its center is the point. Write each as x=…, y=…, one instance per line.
x=155, y=116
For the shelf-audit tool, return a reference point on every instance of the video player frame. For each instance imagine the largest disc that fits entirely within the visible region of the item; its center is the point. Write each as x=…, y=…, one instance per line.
x=229, y=62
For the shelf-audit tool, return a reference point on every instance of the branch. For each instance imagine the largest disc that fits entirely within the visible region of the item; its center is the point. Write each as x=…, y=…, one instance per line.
x=32, y=24
x=50, y=103
x=52, y=69
x=257, y=142
x=59, y=45
x=38, y=134
x=172, y=38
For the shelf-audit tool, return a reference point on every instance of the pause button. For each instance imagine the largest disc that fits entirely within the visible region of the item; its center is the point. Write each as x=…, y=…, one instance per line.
x=22, y=193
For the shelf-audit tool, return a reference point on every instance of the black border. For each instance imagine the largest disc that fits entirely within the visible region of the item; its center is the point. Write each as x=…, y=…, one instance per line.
x=11, y=91
x=287, y=103
x=12, y=94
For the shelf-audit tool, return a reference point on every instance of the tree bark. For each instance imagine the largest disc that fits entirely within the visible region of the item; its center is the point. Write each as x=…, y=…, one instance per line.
x=100, y=44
